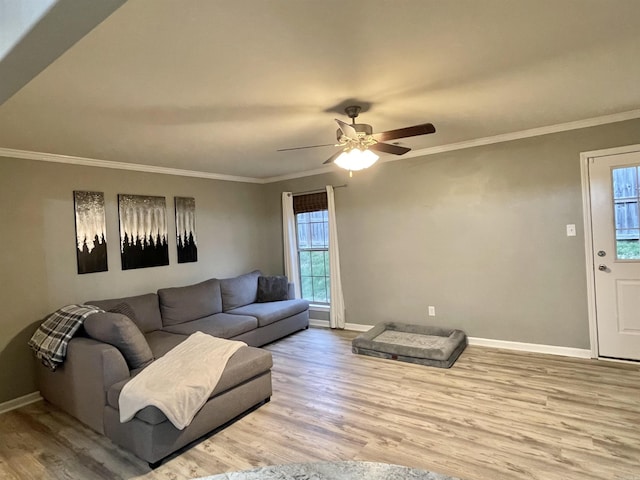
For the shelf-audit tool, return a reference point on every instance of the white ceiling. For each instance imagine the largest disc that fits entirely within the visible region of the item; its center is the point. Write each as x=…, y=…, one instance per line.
x=218, y=86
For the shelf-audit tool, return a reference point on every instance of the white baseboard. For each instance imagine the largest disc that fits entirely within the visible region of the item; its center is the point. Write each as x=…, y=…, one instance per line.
x=20, y=402
x=531, y=347
x=314, y=322
x=486, y=342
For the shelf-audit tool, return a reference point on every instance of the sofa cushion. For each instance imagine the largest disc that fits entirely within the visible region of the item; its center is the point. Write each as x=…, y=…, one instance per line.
x=239, y=291
x=271, y=312
x=243, y=365
x=272, y=288
x=118, y=330
x=183, y=304
x=161, y=342
x=221, y=325
x=145, y=308
x=126, y=310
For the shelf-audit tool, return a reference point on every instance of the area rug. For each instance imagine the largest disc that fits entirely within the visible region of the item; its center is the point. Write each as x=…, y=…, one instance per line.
x=332, y=471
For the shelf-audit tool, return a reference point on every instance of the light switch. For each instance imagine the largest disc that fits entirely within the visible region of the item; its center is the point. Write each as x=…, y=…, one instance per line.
x=571, y=230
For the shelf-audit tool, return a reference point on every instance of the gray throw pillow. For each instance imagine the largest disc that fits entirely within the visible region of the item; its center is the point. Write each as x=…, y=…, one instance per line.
x=118, y=330
x=273, y=288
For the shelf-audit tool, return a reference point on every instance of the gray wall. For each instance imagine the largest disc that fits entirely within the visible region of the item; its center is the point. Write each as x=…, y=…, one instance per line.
x=38, y=263
x=478, y=233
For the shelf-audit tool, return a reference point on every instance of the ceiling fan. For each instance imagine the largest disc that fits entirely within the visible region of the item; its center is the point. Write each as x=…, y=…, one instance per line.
x=357, y=141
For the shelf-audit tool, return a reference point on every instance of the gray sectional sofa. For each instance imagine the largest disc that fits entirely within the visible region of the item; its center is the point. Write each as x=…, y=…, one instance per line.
x=87, y=385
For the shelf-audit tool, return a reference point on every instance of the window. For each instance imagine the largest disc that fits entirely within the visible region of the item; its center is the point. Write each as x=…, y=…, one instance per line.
x=312, y=226
x=626, y=196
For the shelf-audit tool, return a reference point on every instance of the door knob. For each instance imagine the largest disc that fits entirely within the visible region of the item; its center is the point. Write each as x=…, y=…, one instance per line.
x=602, y=267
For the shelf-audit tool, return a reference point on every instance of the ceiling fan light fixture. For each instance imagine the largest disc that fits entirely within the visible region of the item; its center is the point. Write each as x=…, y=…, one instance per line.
x=356, y=159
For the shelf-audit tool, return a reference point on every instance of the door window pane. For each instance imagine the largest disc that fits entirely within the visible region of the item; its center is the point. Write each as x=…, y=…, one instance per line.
x=626, y=199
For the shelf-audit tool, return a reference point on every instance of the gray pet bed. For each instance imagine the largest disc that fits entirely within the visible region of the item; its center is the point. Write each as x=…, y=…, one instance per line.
x=433, y=346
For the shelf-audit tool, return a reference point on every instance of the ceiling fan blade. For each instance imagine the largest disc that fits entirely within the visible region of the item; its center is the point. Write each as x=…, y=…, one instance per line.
x=386, y=148
x=347, y=129
x=414, y=131
x=308, y=146
x=332, y=158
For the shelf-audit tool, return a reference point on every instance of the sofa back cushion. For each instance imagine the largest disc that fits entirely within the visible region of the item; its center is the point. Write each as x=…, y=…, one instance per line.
x=145, y=308
x=119, y=330
x=184, y=304
x=239, y=291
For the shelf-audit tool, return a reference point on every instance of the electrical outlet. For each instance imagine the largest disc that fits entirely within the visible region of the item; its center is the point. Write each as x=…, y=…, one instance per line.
x=432, y=311
x=571, y=230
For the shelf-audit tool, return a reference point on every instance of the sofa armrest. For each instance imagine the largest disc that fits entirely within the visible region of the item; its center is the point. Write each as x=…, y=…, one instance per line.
x=291, y=291
x=79, y=386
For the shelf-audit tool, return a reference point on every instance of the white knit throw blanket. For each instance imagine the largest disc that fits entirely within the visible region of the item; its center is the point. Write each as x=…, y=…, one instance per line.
x=180, y=382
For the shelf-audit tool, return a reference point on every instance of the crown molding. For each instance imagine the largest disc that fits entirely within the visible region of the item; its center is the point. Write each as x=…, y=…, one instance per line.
x=477, y=142
x=306, y=173
x=92, y=162
x=532, y=132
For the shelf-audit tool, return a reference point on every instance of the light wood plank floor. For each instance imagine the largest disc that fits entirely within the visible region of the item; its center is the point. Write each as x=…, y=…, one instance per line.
x=494, y=415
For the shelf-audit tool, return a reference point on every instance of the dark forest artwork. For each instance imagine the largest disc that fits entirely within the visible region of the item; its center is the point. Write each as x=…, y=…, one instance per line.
x=91, y=246
x=143, y=231
x=186, y=229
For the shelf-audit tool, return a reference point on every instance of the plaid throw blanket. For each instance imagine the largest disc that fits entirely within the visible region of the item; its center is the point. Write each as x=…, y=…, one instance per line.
x=50, y=340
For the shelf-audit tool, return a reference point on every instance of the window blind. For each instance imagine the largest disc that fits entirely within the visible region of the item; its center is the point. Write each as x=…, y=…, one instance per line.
x=310, y=202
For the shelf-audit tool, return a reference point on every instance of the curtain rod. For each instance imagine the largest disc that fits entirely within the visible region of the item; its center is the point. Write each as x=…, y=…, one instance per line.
x=318, y=190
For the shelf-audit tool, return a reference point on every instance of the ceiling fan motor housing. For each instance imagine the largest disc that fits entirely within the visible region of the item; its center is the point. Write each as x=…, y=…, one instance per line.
x=353, y=111
x=362, y=128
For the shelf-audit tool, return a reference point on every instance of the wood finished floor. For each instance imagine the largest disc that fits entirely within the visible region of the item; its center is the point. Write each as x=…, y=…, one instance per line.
x=494, y=415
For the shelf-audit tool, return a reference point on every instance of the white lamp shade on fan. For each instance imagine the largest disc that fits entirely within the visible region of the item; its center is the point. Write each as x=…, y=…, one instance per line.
x=356, y=159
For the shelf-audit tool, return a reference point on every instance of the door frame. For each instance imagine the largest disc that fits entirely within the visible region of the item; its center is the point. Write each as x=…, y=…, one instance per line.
x=585, y=158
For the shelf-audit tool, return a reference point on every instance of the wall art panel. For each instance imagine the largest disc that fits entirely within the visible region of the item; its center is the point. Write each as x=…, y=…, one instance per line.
x=143, y=231
x=91, y=245
x=186, y=229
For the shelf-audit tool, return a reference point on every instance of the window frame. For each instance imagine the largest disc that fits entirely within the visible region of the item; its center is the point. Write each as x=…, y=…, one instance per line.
x=311, y=249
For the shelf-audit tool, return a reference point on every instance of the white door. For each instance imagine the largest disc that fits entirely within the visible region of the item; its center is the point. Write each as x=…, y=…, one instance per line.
x=615, y=189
